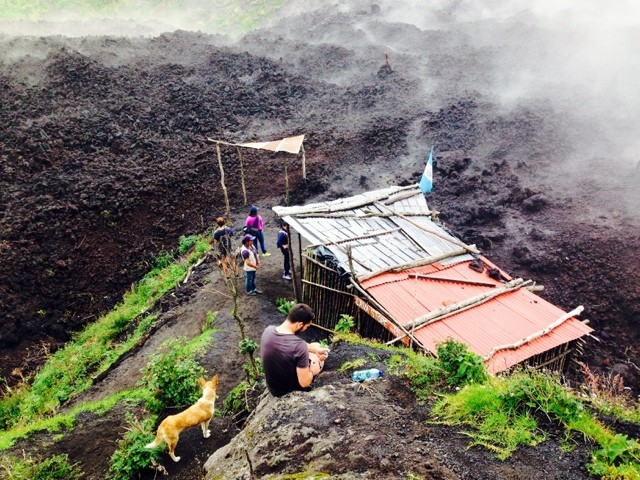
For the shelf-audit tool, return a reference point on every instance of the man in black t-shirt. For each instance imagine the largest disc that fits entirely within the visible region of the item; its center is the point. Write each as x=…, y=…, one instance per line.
x=289, y=362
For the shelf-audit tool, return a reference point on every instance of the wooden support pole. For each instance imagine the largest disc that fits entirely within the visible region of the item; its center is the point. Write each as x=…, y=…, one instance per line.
x=382, y=310
x=366, y=214
x=294, y=276
x=309, y=282
x=286, y=182
x=244, y=186
x=224, y=187
x=304, y=163
x=296, y=290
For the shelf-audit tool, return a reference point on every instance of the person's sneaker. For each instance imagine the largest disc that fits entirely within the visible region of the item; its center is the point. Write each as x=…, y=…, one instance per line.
x=257, y=291
x=266, y=254
x=286, y=277
x=251, y=293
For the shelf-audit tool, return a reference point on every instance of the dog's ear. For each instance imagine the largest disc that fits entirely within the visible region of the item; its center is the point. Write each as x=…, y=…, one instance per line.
x=201, y=381
x=214, y=379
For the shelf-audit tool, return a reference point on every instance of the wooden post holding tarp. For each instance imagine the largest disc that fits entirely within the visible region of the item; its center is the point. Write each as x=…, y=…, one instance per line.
x=286, y=182
x=224, y=187
x=244, y=187
x=298, y=293
x=294, y=276
x=304, y=163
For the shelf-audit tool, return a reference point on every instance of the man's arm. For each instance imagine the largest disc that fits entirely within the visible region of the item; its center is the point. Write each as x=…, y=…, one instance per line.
x=305, y=376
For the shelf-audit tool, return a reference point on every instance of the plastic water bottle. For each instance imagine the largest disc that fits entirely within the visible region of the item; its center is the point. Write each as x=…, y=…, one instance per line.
x=362, y=375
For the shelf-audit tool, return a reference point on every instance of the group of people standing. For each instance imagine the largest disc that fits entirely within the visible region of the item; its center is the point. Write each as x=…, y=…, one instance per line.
x=252, y=241
x=289, y=362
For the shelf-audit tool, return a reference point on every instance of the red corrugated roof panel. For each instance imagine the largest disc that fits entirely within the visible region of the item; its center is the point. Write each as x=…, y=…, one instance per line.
x=502, y=320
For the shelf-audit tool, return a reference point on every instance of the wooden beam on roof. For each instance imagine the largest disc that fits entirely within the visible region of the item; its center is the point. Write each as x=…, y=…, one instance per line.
x=326, y=207
x=416, y=263
x=369, y=214
x=455, y=280
x=361, y=237
x=533, y=336
x=401, y=196
x=474, y=301
x=455, y=241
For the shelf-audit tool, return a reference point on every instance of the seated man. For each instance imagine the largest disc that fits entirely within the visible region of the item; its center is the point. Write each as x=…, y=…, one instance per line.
x=289, y=362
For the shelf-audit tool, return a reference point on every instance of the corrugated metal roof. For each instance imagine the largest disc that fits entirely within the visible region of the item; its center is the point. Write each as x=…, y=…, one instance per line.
x=393, y=227
x=383, y=228
x=503, y=320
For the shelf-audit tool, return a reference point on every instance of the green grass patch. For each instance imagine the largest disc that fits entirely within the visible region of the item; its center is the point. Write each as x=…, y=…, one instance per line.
x=64, y=422
x=171, y=376
x=504, y=414
x=69, y=371
x=51, y=468
x=131, y=457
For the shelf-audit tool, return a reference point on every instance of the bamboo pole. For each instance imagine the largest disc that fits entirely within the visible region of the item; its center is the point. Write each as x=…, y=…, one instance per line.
x=455, y=241
x=533, y=336
x=367, y=214
x=242, y=180
x=304, y=163
x=224, y=187
x=444, y=312
x=294, y=276
x=416, y=263
x=286, y=182
x=352, y=204
x=361, y=237
x=308, y=282
x=316, y=262
x=296, y=290
x=454, y=280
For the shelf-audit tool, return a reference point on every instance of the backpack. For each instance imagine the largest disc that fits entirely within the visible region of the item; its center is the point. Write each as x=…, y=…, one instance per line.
x=224, y=244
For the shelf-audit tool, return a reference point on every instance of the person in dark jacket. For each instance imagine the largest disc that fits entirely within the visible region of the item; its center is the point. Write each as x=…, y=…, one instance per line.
x=283, y=244
x=224, y=245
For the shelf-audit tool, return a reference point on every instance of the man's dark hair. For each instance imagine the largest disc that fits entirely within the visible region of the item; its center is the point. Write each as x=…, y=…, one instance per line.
x=301, y=313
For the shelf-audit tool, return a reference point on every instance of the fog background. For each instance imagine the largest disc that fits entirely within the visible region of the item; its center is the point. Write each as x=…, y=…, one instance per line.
x=578, y=60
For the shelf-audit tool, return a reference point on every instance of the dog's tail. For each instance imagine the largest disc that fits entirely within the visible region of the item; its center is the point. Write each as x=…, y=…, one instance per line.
x=157, y=442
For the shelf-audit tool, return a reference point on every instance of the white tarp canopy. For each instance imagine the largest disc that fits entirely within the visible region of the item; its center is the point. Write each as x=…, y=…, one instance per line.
x=289, y=145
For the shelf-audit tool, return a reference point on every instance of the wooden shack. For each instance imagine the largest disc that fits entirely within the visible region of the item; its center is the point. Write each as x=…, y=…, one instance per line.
x=384, y=258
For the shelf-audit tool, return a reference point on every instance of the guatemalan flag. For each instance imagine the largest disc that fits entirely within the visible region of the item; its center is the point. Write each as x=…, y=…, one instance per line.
x=426, y=182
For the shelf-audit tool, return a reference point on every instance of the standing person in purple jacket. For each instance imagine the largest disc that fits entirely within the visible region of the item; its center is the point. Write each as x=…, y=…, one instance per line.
x=254, y=225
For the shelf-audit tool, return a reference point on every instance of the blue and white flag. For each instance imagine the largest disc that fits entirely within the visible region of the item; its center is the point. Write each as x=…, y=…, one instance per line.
x=426, y=182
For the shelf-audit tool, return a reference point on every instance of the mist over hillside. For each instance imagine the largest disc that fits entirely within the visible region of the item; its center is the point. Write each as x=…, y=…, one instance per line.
x=544, y=94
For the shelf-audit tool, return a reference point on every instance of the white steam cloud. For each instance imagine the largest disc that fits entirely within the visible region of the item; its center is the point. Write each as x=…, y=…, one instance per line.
x=582, y=58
